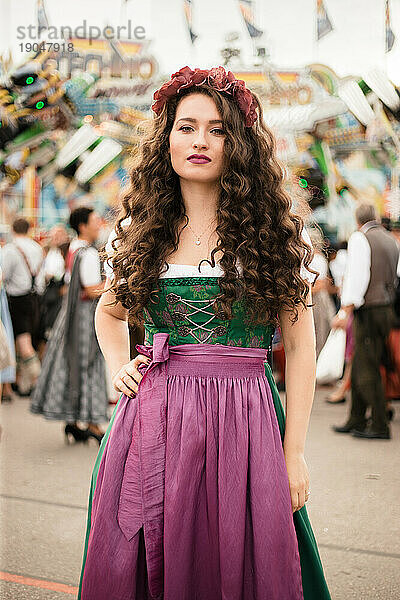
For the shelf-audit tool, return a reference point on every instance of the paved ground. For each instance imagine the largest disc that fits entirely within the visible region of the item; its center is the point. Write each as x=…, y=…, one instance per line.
x=354, y=507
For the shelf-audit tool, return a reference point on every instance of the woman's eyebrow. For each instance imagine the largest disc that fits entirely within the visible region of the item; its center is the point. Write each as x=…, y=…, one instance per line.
x=195, y=120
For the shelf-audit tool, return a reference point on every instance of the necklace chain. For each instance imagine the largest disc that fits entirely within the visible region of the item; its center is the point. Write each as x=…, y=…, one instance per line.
x=197, y=241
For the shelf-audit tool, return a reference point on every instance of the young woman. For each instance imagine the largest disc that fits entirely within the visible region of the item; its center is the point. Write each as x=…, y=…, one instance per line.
x=198, y=492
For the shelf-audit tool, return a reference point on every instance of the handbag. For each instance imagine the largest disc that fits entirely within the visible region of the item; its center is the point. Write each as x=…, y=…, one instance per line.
x=330, y=361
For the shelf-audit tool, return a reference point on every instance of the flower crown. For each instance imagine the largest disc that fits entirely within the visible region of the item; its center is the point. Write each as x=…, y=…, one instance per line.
x=216, y=77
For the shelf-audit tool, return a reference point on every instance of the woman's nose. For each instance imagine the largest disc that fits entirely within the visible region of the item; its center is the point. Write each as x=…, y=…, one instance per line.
x=200, y=141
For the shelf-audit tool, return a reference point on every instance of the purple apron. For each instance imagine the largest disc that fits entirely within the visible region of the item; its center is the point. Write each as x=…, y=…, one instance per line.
x=192, y=498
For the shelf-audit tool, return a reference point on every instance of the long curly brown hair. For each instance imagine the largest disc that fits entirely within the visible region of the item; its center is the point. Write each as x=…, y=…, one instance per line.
x=255, y=222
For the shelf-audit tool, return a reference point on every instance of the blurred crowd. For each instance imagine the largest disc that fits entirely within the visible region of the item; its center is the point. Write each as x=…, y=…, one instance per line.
x=49, y=350
x=47, y=301
x=357, y=290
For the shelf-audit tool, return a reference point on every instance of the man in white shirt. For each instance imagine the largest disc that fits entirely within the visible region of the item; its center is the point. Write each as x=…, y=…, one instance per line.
x=373, y=264
x=21, y=264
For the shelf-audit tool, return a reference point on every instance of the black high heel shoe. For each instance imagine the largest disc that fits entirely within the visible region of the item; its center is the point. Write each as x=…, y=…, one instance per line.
x=96, y=436
x=390, y=414
x=79, y=435
x=6, y=399
x=340, y=401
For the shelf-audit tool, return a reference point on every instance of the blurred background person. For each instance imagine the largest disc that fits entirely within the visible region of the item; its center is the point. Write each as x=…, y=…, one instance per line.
x=338, y=264
x=391, y=369
x=21, y=264
x=58, y=245
x=337, y=268
x=72, y=385
x=7, y=367
x=368, y=293
x=323, y=306
x=54, y=274
x=339, y=394
x=5, y=354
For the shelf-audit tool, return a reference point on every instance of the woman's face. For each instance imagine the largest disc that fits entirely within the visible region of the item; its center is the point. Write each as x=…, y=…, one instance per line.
x=197, y=130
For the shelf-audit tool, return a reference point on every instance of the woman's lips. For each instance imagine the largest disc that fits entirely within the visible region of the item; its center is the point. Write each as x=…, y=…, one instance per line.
x=199, y=161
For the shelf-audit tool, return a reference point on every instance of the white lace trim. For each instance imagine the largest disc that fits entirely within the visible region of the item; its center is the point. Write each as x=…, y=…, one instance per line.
x=177, y=270
x=206, y=270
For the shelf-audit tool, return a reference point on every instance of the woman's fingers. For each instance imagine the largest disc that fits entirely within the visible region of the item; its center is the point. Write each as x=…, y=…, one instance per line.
x=122, y=387
x=131, y=379
x=295, y=500
x=302, y=499
x=128, y=378
x=141, y=358
x=123, y=383
x=299, y=496
x=133, y=376
x=299, y=481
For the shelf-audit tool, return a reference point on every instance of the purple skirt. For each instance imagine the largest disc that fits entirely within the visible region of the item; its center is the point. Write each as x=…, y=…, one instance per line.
x=192, y=496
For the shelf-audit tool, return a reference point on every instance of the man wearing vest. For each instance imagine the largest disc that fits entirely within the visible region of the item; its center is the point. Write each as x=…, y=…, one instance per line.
x=368, y=293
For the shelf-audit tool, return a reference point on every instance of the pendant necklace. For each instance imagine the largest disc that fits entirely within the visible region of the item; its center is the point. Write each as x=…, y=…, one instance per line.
x=197, y=240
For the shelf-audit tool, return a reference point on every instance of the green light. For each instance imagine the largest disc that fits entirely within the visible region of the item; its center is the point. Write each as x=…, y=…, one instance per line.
x=303, y=183
x=29, y=80
x=39, y=105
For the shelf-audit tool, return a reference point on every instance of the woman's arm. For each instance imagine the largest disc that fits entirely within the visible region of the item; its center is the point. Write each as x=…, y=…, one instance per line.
x=320, y=284
x=112, y=331
x=93, y=291
x=113, y=335
x=299, y=344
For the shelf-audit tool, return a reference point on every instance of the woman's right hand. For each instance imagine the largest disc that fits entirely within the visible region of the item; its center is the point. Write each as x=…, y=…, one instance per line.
x=127, y=379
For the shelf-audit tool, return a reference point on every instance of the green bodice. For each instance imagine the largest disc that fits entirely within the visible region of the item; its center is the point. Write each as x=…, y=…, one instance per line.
x=185, y=311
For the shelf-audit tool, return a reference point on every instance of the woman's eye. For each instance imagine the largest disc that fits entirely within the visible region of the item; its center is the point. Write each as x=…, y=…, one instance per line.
x=217, y=130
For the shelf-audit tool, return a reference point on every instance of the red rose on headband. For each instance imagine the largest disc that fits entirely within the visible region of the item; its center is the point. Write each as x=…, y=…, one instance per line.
x=220, y=79
x=247, y=105
x=216, y=77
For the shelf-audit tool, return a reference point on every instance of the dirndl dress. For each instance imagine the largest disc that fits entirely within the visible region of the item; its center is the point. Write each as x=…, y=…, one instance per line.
x=190, y=496
x=72, y=383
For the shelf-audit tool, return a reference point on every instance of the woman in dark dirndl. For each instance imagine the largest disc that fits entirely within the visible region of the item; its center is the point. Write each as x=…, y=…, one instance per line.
x=199, y=488
x=72, y=386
